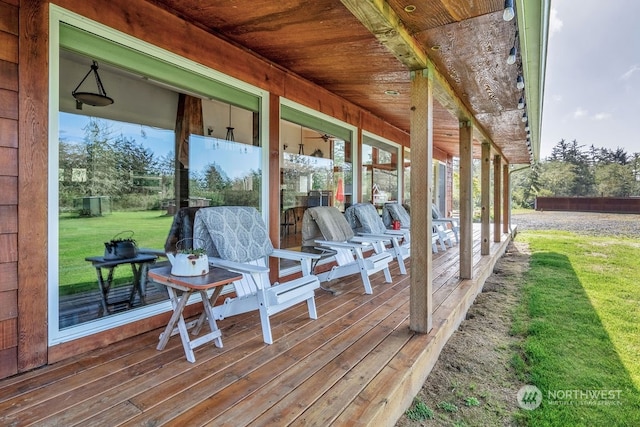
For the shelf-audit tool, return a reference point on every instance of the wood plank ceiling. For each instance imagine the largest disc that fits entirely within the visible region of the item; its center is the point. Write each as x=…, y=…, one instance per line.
x=323, y=41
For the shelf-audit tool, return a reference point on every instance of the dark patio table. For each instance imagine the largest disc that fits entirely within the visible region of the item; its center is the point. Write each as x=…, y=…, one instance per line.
x=139, y=267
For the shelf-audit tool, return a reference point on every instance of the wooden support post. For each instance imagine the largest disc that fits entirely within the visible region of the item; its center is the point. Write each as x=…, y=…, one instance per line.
x=506, y=199
x=274, y=182
x=421, y=297
x=497, y=197
x=466, y=200
x=485, y=183
x=188, y=121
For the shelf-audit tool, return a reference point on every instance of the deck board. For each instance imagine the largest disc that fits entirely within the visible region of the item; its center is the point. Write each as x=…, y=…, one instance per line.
x=357, y=364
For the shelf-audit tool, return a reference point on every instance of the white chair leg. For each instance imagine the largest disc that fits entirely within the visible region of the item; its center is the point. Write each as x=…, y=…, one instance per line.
x=266, y=325
x=311, y=305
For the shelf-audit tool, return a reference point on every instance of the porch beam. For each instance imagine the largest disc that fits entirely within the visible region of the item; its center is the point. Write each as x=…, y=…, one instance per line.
x=485, y=184
x=497, y=197
x=421, y=297
x=466, y=200
x=381, y=20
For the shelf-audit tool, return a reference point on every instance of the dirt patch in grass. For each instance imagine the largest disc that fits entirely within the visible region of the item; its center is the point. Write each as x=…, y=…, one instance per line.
x=474, y=383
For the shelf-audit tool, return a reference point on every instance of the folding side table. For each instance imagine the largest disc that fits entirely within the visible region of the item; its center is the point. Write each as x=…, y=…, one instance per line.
x=216, y=279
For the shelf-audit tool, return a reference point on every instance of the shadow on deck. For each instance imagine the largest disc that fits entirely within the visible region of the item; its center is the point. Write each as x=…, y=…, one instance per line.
x=357, y=364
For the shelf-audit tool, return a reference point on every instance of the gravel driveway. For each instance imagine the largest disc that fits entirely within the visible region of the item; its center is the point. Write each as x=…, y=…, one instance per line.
x=589, y=223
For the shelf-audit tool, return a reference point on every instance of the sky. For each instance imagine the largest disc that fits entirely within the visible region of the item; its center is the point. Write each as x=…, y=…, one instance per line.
x=592, y=88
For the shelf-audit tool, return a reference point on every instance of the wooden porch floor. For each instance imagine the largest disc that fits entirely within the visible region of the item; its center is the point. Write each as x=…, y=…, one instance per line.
x=357, y=364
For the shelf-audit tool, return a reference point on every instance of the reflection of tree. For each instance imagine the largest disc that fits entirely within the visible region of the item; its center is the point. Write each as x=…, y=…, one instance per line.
x=105, y=164
x=215, y=185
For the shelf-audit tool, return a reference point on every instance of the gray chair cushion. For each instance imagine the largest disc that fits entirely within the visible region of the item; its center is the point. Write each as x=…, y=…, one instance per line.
x=325, y=222
x=364, y=218
x=395, y=211
x=234, y=233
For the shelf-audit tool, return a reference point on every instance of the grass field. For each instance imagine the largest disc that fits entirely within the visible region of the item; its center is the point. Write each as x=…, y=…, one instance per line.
x=81, y=237
x=580, y=320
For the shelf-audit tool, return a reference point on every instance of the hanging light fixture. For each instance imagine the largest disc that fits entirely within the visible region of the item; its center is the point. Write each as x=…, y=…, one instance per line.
x=230, y=136
x=520, y=82
x=508, y=12
x=96, y=99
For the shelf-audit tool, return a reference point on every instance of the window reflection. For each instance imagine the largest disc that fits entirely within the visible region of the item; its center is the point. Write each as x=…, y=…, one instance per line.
x=112, y=177
x=316, y=171
x=223, y=172
x=379, y=172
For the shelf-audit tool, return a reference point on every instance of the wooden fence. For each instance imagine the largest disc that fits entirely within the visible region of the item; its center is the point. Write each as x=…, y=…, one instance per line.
x=589, y=204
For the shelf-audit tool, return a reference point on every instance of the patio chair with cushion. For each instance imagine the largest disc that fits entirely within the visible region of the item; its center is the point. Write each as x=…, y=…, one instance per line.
x=393, y=211
x=326, y=226
x=364, y=220
x=236, y=238
x=450, y=224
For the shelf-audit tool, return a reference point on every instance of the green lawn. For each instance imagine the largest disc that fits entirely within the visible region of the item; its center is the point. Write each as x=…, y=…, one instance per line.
x=580, y=319
x=81, y=237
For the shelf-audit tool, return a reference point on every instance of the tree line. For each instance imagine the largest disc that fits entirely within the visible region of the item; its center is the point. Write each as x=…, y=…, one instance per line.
x=575, y=171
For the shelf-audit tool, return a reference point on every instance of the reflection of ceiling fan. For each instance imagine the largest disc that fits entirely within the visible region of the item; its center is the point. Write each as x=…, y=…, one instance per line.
x=326, y=137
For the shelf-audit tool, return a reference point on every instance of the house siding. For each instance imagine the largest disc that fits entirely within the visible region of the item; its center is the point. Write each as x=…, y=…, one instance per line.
x=9, y=28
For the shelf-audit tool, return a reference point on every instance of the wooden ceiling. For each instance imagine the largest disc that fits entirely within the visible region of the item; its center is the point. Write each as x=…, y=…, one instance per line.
x=337, y=45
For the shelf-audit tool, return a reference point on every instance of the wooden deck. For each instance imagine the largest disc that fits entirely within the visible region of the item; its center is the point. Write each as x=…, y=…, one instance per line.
x=357, y=364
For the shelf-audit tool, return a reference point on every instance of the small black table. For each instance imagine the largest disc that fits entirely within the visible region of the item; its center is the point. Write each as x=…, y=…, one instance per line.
x=139, y=266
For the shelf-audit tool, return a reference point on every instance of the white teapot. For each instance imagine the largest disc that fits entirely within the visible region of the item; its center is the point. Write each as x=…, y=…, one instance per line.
x=189, y=262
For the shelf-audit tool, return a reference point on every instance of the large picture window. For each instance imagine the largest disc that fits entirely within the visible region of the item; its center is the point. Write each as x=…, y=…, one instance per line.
x=317, y=170
x=176, y=135
x=379, y=171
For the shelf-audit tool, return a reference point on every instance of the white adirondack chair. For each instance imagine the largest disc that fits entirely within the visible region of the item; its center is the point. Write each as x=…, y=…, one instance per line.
x=326, y=226
x=364, y=220
x=395, y=211
x=449, y=224
x=236, y=238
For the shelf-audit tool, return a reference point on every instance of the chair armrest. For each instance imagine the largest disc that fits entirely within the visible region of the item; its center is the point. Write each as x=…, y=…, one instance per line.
x=152, y=251
x=347, y=245
x=294, y=255
x=378, y=237
x=237, y=266
x=365, y=239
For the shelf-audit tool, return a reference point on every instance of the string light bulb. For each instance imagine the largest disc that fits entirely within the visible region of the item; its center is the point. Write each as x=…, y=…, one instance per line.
x=511, y=59
x=521, y=103
x=509, y=13
x=520, y=82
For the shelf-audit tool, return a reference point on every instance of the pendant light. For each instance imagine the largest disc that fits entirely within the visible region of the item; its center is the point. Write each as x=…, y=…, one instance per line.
x=230, y=136
x=96, y=99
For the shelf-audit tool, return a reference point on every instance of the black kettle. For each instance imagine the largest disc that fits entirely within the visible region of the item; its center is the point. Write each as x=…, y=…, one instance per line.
x=120, y=248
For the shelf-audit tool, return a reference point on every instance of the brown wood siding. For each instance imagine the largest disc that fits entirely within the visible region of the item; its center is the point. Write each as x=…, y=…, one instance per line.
x=9, y=28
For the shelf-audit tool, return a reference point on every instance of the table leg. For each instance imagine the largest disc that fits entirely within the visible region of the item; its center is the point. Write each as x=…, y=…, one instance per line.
x=209, y=314
x=105, y=286
x=139, y=282
x=178, y=304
